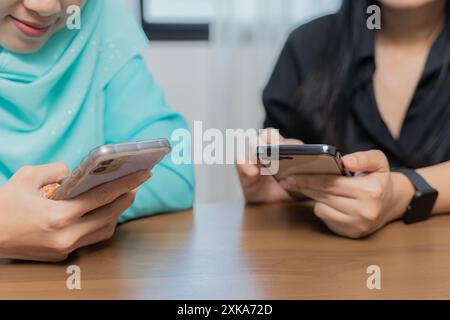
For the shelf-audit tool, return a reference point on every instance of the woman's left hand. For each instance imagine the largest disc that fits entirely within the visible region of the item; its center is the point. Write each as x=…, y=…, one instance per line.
x=356, y=206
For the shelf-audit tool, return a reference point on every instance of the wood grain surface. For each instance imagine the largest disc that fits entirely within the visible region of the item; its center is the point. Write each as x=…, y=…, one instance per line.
x=229, y=251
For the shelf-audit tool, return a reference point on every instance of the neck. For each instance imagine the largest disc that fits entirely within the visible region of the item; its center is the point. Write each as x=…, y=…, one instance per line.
x=413, y=25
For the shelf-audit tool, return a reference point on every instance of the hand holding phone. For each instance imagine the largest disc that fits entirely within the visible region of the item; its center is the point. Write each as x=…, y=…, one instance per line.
x=44, y=230
x=259, y=188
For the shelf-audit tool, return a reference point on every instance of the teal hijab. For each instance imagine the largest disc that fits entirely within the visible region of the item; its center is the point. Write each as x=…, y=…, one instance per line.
x=51, y=106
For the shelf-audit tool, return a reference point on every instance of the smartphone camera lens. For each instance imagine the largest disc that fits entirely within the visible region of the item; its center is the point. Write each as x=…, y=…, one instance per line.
x=100, y=170
x=107, y=162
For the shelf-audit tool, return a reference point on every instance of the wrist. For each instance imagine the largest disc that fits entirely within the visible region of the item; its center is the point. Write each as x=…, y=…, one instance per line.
x=3, y=245
x=4, y=240
x=403, y=192
x=3, y=253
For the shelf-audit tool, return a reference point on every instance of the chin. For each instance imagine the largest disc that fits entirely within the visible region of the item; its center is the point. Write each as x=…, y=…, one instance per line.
x=407, y=4
x=23, y=46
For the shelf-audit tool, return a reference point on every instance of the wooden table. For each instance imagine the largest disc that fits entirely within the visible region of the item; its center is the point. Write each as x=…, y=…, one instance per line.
x=223, y=251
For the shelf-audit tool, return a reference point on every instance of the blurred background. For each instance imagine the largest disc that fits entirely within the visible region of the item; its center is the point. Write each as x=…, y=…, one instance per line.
x=213, y=59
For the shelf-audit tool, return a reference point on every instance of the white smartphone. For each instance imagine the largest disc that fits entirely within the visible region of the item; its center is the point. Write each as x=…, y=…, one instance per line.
x=110, y=162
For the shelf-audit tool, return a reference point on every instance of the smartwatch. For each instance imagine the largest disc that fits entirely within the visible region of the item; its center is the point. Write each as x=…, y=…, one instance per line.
x=421, y=205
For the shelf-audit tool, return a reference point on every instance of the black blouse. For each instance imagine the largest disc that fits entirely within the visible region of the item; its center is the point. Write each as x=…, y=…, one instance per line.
x=365, y=128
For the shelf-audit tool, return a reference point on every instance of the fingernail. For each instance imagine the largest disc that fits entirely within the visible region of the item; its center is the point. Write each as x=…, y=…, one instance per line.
x=350, y=159
x=252, y=171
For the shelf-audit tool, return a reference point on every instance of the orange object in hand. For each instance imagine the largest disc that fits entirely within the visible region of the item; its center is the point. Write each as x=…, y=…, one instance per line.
x=49, y=190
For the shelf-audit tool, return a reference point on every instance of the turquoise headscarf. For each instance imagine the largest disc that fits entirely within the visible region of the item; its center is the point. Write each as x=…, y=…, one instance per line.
x=49, y=101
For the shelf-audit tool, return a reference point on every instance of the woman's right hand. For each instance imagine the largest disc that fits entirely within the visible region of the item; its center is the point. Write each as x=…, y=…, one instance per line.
x=39, y=229
x=259, y=188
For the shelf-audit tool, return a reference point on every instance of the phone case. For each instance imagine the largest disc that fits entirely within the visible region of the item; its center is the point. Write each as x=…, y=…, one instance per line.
x=110, y=162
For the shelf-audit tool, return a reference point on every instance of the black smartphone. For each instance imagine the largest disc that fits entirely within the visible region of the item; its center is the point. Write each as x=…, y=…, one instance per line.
x=284, y=160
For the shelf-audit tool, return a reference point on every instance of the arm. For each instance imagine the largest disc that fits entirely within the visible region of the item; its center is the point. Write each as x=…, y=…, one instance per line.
x=136, y=110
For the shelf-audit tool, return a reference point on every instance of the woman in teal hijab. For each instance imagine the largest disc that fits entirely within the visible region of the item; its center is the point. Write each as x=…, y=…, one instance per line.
x=62, y=93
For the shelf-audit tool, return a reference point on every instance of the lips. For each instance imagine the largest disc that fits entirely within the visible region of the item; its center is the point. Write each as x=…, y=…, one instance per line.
x=31, y=29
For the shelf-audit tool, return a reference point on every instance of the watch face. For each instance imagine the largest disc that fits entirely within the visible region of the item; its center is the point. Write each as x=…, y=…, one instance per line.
x=421, y=206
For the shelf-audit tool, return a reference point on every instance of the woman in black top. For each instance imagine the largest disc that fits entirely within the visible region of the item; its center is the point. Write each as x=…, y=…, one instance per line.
x=381, y=96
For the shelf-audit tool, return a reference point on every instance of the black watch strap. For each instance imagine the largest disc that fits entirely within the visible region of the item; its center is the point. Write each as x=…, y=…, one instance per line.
x=424, y=199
